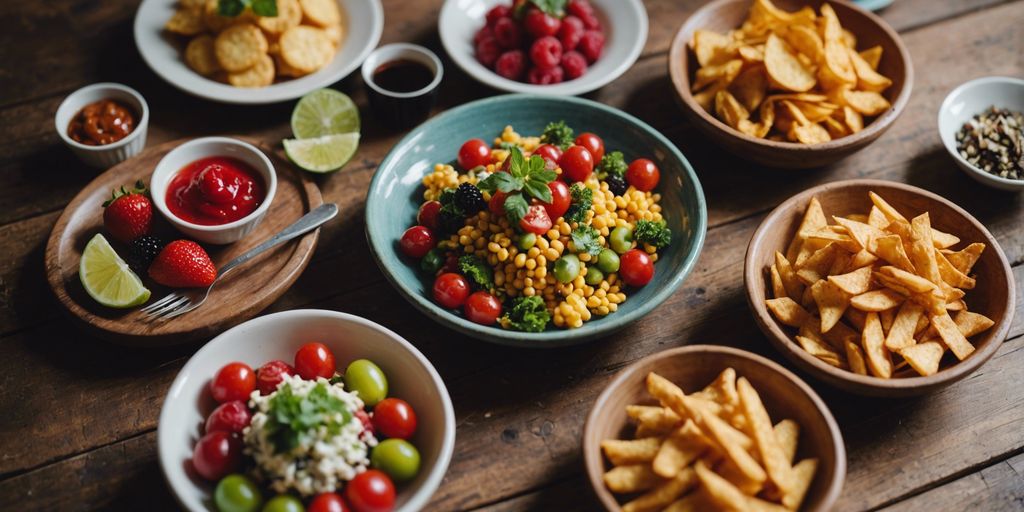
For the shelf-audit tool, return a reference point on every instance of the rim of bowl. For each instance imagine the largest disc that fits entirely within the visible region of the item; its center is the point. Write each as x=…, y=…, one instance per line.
x=679, y=75
x=159, y=196
x=395, y=52
x=437, y=472
x=835, y=486
x=949, y=142
x=549, y=338
x=75, y=97
x=568, y=88
x=865, y=383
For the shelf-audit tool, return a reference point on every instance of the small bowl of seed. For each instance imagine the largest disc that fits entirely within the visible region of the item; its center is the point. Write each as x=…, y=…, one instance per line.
x=982, y=126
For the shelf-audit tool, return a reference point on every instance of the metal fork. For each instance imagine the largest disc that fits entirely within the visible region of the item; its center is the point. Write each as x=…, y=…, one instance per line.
x=181, y=302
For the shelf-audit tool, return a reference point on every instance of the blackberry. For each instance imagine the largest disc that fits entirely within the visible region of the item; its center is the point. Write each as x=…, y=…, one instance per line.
x=142, y=251
x=469, y=198
x=449, y=221
x=616, y=184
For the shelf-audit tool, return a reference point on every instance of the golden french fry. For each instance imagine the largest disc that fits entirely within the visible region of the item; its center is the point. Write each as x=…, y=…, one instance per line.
x=951, y=335
x=877, y=300
x=677, y=452
x=760, y=427
x=693, y=502
x=652, y=421
x=665, y=493
x=924, y=357
x=803, y=475
x=632, y=478
x=621, y=452
x=901, y=333
x=873, y=341
x=787, y=433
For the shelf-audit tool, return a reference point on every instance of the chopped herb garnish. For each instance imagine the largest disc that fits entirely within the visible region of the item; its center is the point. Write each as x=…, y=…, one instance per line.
x=530, y=176
x=582, y=200
x=612, y=164
x=559, y=134
x=555, y=8
x=653, y=233
x=516, y=208
x=232, y=8
x=477, y=271
x=528, y=314
x=292, y=419
x=587, y=239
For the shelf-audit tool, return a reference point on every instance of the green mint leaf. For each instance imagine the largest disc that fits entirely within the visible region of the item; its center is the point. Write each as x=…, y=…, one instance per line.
x=544, y=175
x=582, y=200
x=266, y=8
x=612, y=164
x=502, y=181
x=587, y=239
x=518, y=166
x=477, y=271
x=516, y=208
x=654, y=233
x=553, y=7
x=538, y=189
x=231, y=8
x=528, y=314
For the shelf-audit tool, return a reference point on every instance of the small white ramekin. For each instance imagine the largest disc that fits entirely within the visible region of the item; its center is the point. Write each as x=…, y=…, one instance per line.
x=112, y=154
x=205, y=147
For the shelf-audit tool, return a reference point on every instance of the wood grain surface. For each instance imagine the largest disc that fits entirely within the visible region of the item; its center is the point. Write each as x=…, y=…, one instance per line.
x=78, y=429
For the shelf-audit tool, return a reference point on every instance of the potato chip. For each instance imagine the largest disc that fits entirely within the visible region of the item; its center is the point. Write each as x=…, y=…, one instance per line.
x=751, y=54
x=812, y=133
x=750, y=87
x=726, y=71
x=305, y=48
x=873, y=341
x=199, y=55
x=805, y=39
x=632, y=478
x=260, y=74
x=186, y=22
x=869, y=103
x=784, y=70
x=855, y=358
x=951, y=335
x=867, y=78
x=289, y=14
x=872, y=56
x=240, y=47
x=877, y=300
x=710, y=47
x=730, y=110
x=631, y=452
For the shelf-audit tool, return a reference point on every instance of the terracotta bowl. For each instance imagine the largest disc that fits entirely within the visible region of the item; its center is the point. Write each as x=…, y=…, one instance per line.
x=724, y=15
x=993, y=296
x=695, y=366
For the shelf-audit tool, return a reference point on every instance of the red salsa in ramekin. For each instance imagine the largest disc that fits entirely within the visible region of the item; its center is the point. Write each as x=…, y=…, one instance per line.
x=215, y=190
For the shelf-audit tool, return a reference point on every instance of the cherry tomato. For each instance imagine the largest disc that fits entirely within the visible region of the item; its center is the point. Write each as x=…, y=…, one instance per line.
x=428, y=213
x=417, y=241
x=364, y=418
x=327, y=502
x=314, y=360
x=636, y=268
x=235, y=381
x=474, y=152
x=643, y=174
x=394, y=417
x=548, y=152
x=371, y=491
x=271, y=374
x=577, y=163
x=497, y=203
x=217, y=454
x=560, y=199
x=229, y=417
x=451, y=290
x=482, y=308
x=593, y=143
x=536, y=220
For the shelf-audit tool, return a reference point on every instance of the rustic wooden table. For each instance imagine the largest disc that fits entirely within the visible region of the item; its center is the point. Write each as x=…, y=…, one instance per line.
x=79, y=416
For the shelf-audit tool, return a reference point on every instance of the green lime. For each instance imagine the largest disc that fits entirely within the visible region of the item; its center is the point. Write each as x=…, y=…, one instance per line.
x=324, y=112
x=322, y=154
x=107, y=278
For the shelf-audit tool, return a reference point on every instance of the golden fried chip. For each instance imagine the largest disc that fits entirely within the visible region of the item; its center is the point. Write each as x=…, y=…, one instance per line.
x=805, y=39
x=951, y=335
x=751, y=54
x=821, y=351
x=924, y=357
x=877, y=300
x=632, y=478
x=778, y=289
x=199, y=55
x=855, y=358
x=853, y=283
x=260, y=74
x=794, y=287
x=813, y=220
x=951, y=275
x=873, y=341
x=186, y=22
x=906, y=280
x=803, y=475
x=306, y=49
x=868, y=103
x=724, y=72
x=710, y=47
x=240, y=47
x=289, y=14
x=817, y=265
x=323, y=13
x=901, y=332
x=787, y=311
x=665, y=493
x=890, y=249
x=831, y=301
x=872, y=56
x=750, y=87
x=867, y=78
x=971, y=323
x=730, y=110
x=760, y=426
x=284, y=69
x=812, y=133
x=922, y=250
x=336, y=33
x=676, y=453
x=965, y=259
x=621, y=452
x=784, y=70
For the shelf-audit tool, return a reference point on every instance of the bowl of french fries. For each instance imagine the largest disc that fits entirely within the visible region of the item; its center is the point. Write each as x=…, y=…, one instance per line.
x=789, y=83
x=879, y=288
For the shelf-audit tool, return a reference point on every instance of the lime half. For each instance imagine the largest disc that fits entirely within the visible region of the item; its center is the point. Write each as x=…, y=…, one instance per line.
x=324, y=112
x=107, y=278
x=322, y=154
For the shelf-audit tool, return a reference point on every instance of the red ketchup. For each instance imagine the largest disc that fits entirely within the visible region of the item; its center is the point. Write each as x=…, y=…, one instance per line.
x=214, y=191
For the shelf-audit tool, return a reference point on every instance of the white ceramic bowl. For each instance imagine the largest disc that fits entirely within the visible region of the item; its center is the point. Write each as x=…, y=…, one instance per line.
x=970, y=99
x=625, y=28
x=163, y=52
x=204, y=147
x=107, y=155
x=410, y=375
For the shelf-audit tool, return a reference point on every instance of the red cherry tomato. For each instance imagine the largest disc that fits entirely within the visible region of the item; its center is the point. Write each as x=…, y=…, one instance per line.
x=371, y=491
x=636, y=267
x=548, y=152
x=271, y=374
x=577, y=163
x=417, y=241
x=497, y=203
x=394, y=417
x=560, y=199
x=428, y=213
x=235, y=381
x=643, y=174
x=451, y=290
x=314, y=360
x=474, y=152
x=327, y=502
x=230, y=417
x=593, y=143
x=536, y=220
x=482, y=308
x=217, y=454
x=364, y=418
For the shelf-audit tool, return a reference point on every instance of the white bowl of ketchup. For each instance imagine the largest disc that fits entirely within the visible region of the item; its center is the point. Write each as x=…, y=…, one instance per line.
x=214, y=189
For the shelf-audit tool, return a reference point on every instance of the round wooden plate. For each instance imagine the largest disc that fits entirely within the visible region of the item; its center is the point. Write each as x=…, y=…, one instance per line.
x=243, y=294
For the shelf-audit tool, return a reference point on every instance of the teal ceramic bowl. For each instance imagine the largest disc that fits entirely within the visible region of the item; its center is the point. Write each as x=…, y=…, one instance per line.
x=396, y=194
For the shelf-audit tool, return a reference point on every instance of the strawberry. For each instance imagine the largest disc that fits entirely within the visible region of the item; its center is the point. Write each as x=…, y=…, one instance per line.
x=128, y=213
x=183, y=264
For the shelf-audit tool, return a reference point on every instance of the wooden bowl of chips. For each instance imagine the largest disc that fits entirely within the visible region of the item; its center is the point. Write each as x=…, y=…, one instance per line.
x=911, y=335
x=628, y=419
x=762, y=106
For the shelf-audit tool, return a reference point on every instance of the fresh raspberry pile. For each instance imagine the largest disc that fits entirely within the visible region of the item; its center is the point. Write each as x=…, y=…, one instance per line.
x=532, y=42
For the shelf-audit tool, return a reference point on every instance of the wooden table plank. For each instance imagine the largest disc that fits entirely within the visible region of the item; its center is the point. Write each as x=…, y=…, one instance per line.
x=997, y=488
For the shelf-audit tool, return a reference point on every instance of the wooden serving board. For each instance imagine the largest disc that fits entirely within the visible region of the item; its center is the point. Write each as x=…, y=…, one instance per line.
x=243, y=294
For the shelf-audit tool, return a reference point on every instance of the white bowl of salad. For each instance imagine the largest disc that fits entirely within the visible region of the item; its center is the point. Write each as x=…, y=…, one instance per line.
x=306, y=410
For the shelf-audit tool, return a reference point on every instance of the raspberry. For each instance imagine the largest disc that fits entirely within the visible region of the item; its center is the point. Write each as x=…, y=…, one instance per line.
x=540, y=76
x=591, y=45
x=511, y=64
x=546, y=52
x=482, y=34
x=616, y=184
x=487, y=51
x=575, y=64
x=496, y=13
x=508, y=34
x=571, y=32
x=143, y=251
x=539, y=24
x=469, y=198
x=585, y=12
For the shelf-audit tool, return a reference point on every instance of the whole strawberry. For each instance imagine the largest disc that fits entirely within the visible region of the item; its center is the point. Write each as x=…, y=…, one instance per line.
x=183, y=264
x=128, y=213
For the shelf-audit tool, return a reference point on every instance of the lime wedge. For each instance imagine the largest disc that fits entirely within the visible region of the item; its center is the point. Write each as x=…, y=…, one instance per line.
x=322, y=154
x=324, y=112
x=107, y=278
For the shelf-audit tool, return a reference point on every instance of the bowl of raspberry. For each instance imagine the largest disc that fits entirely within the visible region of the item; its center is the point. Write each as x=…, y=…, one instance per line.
x=560, y=47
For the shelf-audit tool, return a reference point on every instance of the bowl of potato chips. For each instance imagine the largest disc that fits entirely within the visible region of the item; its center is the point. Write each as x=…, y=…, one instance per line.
x=707, y=428
x=879, y=288
x=792, y=84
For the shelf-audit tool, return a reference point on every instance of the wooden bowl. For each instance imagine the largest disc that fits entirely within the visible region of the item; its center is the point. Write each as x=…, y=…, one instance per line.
x=724, y=15
x=695, y=366
x=993, y=296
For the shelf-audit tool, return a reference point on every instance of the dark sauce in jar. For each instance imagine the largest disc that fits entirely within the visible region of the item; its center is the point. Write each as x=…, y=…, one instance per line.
x=102, y=122
x=402, y=76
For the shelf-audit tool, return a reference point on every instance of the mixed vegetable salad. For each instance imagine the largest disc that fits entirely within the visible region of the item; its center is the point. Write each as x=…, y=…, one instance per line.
x=534, y=231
